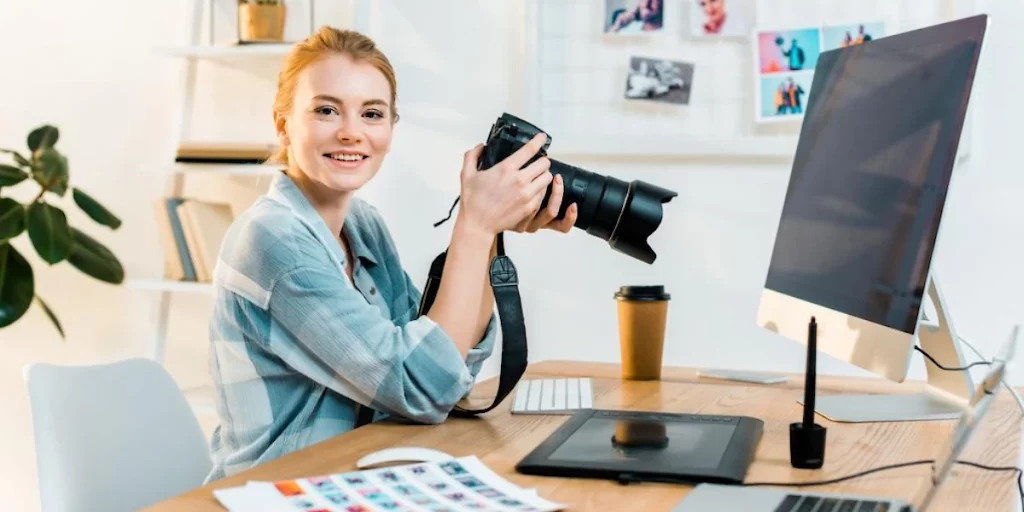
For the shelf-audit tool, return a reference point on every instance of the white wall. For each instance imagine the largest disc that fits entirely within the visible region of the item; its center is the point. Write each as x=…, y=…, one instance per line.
x=113, y=100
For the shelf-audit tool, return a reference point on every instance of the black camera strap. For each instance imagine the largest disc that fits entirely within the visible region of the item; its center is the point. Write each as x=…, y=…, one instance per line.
x=505, y=284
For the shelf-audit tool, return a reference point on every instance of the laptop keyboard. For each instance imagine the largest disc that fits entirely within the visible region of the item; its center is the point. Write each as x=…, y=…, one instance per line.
x=804, y=503
x=553, y=396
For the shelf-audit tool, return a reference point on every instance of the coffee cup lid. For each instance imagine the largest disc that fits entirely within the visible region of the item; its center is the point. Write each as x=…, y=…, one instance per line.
x=650, y=292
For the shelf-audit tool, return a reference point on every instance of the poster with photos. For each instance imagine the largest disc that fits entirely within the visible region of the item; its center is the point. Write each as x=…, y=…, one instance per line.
x=659, y=80
x=785, y=61
x=634, y=16
x=465, y=483
x=721, y=18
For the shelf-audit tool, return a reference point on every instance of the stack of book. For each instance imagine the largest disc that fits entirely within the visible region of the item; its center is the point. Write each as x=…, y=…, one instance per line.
x=191, y=232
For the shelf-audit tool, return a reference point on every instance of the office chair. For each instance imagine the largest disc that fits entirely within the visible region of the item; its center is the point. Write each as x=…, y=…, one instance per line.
x=115, y=436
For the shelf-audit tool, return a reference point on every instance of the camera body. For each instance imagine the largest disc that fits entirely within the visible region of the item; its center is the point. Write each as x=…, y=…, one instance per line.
x=508, y=134
x=624, y=214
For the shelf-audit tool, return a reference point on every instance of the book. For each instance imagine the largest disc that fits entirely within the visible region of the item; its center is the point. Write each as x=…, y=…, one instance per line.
x=204, y=224
x=460, y=484
x=224, y=152
x=178, y=265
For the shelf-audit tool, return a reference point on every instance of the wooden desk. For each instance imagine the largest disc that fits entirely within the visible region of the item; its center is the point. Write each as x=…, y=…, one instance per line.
x=500, y=440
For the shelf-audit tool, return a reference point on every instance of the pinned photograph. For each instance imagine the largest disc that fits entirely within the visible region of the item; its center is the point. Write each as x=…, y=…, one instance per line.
x=788, y=50
x=633, y=16
x=783, y=96
x=842, y=36
x=721, y=18
x=659, y=80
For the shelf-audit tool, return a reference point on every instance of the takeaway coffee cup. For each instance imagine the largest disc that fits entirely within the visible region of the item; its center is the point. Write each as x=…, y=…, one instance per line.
x=642, y=312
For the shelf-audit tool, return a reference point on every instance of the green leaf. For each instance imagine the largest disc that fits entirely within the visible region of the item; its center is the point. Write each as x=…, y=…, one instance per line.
x=95, y=260
x=17, y=285
x=12, y=219
x=17, y=157
x=52, y=170
x=53, y=317
x=11, y=175
x=43, y=137
x=49, y=231
x=94, y=209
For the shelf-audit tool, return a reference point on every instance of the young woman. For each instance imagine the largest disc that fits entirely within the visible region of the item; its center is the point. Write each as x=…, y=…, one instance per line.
x=314, y=314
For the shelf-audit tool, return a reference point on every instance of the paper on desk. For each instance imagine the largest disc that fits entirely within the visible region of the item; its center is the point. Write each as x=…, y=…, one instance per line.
x=459, y=485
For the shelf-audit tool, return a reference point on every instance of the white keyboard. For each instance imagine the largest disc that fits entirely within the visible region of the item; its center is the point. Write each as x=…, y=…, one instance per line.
x=553, y=396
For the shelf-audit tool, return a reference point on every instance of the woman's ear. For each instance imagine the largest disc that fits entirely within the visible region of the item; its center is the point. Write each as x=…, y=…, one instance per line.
x=281, y=127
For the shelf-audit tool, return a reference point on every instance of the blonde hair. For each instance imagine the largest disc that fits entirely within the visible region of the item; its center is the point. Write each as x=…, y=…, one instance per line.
x=325, y=42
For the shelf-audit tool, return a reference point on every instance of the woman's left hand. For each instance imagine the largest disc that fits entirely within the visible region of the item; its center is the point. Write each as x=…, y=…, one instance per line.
x=545, y=218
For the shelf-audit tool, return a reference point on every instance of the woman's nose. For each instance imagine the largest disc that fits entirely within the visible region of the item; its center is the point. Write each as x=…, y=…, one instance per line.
x=348, y=131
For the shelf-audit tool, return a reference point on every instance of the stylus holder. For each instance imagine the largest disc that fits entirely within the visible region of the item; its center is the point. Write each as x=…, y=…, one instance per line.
x=806, y=445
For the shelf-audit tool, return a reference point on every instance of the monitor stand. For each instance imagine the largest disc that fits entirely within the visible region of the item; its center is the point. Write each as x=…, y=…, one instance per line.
x=945, y=397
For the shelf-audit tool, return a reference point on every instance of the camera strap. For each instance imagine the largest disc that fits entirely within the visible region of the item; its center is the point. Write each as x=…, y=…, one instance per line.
x=505, y=283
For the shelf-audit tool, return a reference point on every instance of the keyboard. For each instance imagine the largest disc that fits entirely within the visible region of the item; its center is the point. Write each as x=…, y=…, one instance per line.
x=553, y=396
x=802, y=503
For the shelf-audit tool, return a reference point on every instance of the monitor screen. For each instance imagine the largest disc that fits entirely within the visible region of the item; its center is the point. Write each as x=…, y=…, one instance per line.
x=869, y=178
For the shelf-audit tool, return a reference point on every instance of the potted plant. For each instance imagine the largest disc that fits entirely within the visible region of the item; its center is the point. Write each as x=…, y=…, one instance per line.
x=261, y=21
x=46, y=225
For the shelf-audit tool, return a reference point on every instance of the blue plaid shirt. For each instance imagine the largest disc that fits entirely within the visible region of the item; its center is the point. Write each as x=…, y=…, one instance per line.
x=295, y=345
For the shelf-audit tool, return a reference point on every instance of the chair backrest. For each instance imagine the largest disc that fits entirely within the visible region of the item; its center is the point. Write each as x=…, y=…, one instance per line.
x=114, y=436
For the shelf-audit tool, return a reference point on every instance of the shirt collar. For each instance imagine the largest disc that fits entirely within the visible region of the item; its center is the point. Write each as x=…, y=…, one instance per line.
x=285, y=191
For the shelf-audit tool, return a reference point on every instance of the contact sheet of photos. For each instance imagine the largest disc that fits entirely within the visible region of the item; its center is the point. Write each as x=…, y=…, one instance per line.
x=459, y=485
x=784, y=59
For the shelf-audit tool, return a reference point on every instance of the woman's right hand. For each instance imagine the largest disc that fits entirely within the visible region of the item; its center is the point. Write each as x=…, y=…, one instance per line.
x=501, y=197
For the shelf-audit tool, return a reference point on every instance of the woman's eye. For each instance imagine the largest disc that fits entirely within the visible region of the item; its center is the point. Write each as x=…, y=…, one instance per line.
x=375, y=114
x=325, y=110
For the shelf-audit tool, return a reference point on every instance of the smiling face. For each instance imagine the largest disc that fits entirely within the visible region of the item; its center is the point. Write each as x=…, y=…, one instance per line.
x=713, y=9
x=340, y=124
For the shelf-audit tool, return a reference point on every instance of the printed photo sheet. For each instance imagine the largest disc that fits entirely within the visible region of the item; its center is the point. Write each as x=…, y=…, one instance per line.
x=460, y=485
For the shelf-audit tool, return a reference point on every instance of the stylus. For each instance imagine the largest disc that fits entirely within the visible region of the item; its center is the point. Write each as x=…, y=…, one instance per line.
x=811, y=377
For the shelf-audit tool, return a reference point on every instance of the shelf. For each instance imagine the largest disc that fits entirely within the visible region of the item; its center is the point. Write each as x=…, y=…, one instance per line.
x=223, y=51
x=776, y=147
x=232, y=169
x=164, y=285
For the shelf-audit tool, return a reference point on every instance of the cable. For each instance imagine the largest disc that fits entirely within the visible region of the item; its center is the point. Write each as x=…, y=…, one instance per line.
x=968, y=367
x=1020, y=474
x=843, y=478
x=1016, y=396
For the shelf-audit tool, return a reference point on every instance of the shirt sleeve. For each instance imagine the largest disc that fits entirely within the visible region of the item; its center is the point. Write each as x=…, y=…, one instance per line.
x=411, y=370
x=409, y=303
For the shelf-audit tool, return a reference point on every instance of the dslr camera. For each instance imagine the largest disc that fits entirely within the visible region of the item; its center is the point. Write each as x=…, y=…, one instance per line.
x=623, y=214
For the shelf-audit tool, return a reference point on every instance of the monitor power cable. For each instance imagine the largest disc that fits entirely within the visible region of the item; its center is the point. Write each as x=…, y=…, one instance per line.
x=1019, y=471
x=984, y=361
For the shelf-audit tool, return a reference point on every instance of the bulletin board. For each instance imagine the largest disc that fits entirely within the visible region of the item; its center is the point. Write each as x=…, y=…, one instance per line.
x=578, y=71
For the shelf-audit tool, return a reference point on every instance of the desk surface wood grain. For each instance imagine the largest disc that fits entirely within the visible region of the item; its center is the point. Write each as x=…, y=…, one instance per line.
x=501, y=440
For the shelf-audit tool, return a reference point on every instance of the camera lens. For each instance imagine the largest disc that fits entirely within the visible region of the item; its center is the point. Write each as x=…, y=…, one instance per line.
x=623, y=214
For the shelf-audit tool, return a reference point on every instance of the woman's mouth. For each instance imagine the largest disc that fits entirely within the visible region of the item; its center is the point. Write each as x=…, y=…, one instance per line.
x=346, y=159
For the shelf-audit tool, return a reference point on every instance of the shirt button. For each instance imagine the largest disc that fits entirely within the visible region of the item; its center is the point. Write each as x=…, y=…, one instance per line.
x=373, y=290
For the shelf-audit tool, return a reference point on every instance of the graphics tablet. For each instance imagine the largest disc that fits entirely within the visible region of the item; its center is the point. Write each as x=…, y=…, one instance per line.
x=648, y=446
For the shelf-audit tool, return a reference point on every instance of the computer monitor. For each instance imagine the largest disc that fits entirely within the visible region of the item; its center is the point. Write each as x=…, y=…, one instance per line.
x=862, y=212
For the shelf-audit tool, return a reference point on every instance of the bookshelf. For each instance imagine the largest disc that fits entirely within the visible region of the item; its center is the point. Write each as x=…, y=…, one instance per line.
x=168, y=285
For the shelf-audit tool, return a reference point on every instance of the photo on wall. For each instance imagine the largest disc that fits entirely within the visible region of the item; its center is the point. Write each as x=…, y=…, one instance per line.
x=842, y=36
x=634, y=16
x=784, y=95
x=721, y=18
x=659, y=80
x=788, y=50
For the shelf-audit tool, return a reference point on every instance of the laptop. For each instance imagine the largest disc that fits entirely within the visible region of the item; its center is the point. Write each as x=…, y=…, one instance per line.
x=714, y=497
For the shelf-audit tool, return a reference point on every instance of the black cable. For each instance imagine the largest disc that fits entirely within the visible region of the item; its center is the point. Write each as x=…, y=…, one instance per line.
x=843, y=478
x=968, y=367
x=1020, y=474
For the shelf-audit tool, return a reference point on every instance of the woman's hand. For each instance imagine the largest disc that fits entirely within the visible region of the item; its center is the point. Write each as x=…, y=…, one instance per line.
x=504, y=197
x=545, y=219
